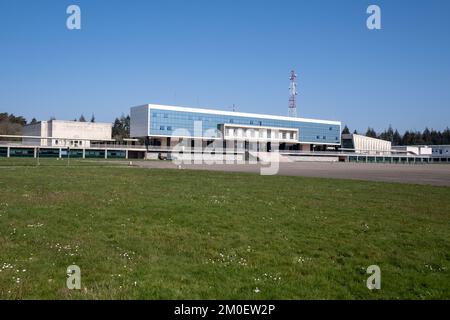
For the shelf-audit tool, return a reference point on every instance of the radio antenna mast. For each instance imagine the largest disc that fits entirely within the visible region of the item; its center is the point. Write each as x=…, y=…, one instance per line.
x=293, y=95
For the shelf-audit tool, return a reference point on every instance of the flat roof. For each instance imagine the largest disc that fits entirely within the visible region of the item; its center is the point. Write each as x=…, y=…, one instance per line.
x=351, y=135
x=70, y=121
x=239, y=114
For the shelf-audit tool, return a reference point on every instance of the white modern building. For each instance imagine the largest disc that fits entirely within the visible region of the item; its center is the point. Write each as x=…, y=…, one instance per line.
x=60, y=133
x=413, y=150
x=367, y=145
x=164, y=125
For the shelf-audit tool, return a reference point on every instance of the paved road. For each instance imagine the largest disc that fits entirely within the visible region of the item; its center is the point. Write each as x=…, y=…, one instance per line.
x=433, y=174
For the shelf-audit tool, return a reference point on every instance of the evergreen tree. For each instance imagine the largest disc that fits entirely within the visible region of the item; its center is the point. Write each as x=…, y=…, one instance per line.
x=82, y=119
x=345, y=130
x=396, y=138
x=436, y=137
x=371, y=133
x=426, y=136
x=406, y=139
x=121, y=127
x=390, y=134
x=93, y=118
x=446, y=136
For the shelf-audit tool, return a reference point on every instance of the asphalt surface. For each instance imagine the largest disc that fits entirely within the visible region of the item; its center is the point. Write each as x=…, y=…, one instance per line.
x=432, y=174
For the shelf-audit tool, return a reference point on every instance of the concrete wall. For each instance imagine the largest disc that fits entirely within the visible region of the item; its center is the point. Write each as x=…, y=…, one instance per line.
x=139, y=121
x=39, y=129
x=74, y=130
x=217, y=158
x=67, y=133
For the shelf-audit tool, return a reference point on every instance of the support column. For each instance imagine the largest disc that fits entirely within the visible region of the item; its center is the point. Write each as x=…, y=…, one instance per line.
x=60, y=153
x=106, y=153
x=126, y=154
x=84, y=153
x=8, y=152
x=34, y=152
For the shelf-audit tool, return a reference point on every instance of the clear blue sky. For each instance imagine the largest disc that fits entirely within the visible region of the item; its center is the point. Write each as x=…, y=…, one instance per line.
x=213, y=53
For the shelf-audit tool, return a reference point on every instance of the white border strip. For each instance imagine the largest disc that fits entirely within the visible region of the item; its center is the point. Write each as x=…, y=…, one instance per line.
x=238, y=114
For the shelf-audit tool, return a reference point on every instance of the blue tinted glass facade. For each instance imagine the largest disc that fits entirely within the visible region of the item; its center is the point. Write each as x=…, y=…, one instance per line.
x=165, y=122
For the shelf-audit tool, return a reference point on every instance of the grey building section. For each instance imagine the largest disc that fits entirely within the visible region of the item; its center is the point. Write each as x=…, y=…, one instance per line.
x=139, y=118
x=441, y=151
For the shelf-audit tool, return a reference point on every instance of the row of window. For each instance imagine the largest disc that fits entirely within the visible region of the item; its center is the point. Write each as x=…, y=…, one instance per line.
x=180, y=117
x=440, y=151
x=72, y=142
x=164, y=122
x=251, y=133
x=325, y=137
x=316, y=129
x=283, y=135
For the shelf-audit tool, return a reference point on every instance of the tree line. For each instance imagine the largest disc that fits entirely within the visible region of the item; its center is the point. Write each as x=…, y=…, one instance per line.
x=409, y=137
x=11, y=124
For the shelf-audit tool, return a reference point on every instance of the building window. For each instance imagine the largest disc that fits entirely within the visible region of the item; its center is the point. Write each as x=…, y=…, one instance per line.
x=166, y=115
x=56, y=141
x=324, y=137
x=161, y=128
x=169, y=128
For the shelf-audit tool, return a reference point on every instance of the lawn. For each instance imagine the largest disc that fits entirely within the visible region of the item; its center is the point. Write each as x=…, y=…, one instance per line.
x=180, y=234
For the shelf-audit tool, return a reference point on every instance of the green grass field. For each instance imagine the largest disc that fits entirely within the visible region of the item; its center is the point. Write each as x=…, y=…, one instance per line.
x=180, y=234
